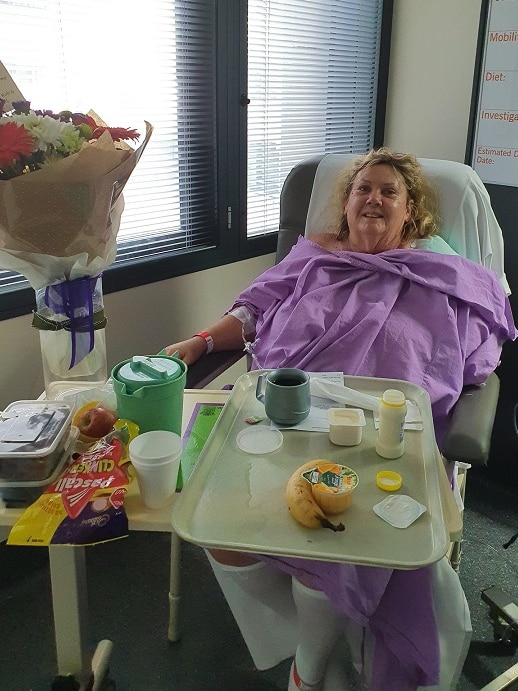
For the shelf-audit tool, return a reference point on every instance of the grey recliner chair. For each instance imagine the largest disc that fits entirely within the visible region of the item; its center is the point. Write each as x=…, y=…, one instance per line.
x=469, y=228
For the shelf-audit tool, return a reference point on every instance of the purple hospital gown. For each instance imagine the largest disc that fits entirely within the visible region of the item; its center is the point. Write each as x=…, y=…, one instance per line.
x=434, y=320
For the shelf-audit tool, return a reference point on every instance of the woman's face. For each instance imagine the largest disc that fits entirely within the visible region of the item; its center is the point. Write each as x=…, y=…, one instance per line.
x=377, y=209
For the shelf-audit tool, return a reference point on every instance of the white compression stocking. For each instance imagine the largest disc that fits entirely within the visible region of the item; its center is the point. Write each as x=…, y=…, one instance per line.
x=319, y=628
x=261, y=601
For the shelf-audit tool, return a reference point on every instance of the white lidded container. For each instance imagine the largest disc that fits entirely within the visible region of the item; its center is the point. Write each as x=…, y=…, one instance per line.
x=345, y=425
x=391, y=442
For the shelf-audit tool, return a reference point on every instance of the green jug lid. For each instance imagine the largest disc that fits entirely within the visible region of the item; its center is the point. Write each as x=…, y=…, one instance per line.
x=143, y=370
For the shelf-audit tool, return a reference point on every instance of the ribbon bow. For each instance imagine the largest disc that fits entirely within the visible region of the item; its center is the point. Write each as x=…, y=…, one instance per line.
x=74, y=300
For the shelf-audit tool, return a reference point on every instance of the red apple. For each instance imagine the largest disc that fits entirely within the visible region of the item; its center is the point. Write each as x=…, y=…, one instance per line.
x=95, y=422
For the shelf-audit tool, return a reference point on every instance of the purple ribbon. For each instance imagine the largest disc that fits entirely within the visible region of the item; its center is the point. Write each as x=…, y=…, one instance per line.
x=74, y=300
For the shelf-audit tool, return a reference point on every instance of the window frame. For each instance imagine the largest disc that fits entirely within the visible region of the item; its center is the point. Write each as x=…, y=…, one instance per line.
x=233, y=244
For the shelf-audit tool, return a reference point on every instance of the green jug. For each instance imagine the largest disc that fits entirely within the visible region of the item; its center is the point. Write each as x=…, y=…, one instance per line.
x=149, y=391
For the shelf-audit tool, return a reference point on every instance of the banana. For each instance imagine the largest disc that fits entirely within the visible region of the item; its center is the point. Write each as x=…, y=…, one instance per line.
x=301, y=503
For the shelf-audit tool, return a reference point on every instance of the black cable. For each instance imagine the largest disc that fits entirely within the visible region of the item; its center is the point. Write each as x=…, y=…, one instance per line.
x=510, y=542
x=515, y=424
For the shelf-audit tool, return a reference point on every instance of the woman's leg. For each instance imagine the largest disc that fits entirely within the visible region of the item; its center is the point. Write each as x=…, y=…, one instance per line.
x=279, y=617
x=319, y=629
x=260, y=598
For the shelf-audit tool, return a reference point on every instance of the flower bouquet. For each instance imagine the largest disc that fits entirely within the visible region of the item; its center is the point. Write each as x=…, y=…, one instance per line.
x=61, y=182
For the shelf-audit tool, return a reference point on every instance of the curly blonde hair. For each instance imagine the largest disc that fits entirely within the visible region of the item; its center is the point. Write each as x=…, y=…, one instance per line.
x=423, y=221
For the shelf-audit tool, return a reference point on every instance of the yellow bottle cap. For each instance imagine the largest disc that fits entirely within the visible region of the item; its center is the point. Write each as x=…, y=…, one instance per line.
x=388, y=480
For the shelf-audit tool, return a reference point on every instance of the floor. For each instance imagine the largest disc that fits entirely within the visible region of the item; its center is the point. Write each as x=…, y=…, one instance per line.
x=127, y=588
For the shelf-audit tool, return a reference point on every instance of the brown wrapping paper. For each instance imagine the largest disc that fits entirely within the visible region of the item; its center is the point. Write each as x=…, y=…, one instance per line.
x=61, y=222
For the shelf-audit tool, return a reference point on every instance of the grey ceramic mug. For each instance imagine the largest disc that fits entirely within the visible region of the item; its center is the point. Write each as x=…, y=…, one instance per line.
x=285, y=394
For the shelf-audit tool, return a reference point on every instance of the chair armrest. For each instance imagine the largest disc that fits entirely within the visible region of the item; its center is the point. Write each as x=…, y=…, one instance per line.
x=469, y=436
x=210, y=366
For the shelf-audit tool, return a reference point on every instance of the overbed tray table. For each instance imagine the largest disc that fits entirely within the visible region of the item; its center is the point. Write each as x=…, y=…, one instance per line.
x=235, y=500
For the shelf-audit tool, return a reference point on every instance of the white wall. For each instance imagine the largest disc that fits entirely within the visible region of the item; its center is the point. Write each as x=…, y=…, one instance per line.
x=140, y=321
x=431, y=75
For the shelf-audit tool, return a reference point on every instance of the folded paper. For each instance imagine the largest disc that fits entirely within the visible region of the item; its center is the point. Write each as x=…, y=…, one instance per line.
x=344, y=394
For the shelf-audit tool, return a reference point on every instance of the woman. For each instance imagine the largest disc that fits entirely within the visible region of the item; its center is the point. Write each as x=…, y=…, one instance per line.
x=387, y=205
x=363, y=300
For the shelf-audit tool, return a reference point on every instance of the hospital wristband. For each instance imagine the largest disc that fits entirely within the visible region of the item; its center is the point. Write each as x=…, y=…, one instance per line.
x=208, y=340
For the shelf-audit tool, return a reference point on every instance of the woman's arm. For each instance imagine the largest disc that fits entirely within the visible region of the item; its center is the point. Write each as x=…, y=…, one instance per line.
x=227, y=334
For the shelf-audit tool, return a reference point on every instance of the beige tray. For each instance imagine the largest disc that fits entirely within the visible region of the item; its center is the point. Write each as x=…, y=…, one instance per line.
x=235, y=500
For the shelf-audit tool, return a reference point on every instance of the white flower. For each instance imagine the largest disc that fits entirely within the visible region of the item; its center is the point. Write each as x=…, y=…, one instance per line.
x=70, y=138
x=45, y=130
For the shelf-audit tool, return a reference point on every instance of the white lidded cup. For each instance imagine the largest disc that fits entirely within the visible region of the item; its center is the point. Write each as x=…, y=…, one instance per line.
x=156, y=455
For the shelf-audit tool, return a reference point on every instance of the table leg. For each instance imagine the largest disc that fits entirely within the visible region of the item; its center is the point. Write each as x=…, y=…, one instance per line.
x=173, y=633
x=70, y=603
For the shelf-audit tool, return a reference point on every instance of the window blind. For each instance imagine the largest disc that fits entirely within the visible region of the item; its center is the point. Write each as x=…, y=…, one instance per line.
x=312, y=81
x=206, y=190
x=156, y=65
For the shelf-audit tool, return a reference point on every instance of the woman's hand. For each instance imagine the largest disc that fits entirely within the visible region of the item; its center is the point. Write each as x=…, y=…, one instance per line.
x=226, y=335
x=189, y=351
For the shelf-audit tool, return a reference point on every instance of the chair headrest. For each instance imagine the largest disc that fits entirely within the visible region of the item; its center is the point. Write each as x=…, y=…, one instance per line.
x=468, y=222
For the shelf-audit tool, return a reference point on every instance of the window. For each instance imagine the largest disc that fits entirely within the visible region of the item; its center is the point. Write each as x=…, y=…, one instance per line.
x=237, y=93
x=312, y=83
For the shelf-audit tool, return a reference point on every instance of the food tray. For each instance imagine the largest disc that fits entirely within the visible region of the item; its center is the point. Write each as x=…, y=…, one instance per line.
x=235, y=500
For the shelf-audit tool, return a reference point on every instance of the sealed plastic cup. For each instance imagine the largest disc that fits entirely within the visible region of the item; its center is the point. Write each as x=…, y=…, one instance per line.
x=156, y=457
x=345, y=425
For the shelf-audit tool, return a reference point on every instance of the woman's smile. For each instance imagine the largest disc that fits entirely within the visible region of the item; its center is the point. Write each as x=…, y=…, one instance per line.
x=377, y=209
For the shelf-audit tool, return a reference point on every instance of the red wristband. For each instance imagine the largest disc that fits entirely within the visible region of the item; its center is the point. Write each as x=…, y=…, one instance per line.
x=208, y=340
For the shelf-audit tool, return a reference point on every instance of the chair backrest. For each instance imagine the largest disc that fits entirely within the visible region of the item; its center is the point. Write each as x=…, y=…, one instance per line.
x=468, y=223
x=468, y=226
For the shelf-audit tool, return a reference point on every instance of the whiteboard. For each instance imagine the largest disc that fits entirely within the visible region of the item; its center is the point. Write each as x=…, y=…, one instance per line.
x=495, y=150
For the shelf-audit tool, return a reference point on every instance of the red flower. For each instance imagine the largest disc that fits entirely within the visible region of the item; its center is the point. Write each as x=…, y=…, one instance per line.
x=15, y=142
x=116, y=133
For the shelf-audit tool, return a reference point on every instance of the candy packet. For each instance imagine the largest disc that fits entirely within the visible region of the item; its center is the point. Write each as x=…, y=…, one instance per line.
x=85, y=505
